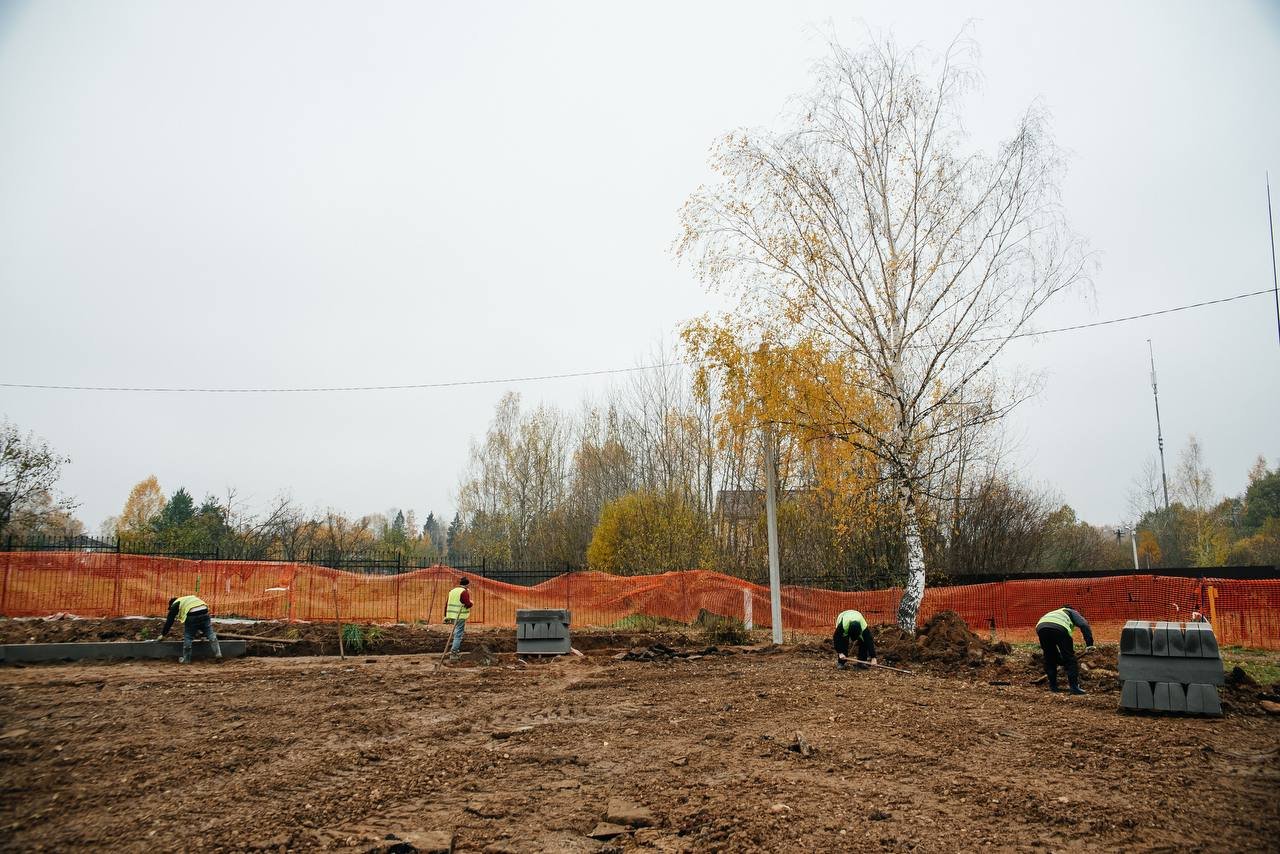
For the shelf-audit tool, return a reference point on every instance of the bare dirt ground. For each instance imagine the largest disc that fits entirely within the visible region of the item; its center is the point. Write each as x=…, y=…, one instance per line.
x=312, y=753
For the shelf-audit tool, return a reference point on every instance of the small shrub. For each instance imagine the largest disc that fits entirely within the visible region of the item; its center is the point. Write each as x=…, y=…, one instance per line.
x=372, y=635
x=726, y=631
x=353, y=638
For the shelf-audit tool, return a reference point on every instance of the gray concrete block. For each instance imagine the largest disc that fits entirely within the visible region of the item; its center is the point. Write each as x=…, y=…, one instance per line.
x=1177, y=697
x=1205, y=643
x=1165, y=668
x=1203, y=700
x=1135, y=638
x=543, y=646
x=1136, y=694
x=1170, y=697
x=537, y=615
x=1177, y=646
x=1191, y=641
x=172, y=650
x=1160, y=639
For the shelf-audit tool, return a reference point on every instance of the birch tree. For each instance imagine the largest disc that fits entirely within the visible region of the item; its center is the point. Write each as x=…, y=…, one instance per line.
x=870, y=222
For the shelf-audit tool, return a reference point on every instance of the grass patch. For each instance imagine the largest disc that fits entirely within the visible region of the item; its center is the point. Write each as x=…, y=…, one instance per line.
x=726, y=631
x=646, y=623
x=1263, y=665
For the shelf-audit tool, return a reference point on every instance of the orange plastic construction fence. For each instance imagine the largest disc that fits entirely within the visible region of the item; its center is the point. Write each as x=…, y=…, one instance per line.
x=1245, y=612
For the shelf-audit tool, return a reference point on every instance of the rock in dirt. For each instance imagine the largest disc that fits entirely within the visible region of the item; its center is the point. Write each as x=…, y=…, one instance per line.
x=1270, y=707
x=502, y=734
x=680, y=761
x=564, y=784
x=417, y=842
x=485, y=810
x=801, y=746
x=607, y=830
x=626, y=812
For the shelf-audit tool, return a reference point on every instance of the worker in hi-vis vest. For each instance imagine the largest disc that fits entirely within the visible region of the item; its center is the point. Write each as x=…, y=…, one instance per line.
x=1054, y=631
x=456, y=610
x=193, y=613
x=850, y=625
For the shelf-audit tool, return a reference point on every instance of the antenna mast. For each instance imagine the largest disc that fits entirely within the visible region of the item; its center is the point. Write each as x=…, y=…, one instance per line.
x=1159, y=434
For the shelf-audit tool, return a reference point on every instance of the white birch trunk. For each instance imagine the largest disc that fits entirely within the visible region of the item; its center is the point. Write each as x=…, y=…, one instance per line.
x=913, y=591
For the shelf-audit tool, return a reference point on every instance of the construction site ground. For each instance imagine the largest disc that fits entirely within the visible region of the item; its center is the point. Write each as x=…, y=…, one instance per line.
x=651, y=743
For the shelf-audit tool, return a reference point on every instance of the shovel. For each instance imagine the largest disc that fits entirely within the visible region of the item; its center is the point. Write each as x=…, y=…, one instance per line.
x=881, y=667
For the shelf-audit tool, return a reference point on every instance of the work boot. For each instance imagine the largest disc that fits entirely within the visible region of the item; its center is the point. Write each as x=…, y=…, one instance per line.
x=842, y=665
x=1053, y=683
x=1077, y=690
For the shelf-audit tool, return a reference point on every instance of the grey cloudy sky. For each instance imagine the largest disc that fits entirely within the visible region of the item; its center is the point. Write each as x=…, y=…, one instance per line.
x=312, y=194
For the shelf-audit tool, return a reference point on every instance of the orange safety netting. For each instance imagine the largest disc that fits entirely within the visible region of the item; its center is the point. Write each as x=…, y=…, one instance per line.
x=1244, y=612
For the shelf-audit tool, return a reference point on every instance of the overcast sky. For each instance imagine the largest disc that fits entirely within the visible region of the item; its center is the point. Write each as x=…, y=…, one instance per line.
x=248, y=194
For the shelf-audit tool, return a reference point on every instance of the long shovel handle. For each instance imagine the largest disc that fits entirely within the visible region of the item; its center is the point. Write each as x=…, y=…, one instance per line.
x=883, y=667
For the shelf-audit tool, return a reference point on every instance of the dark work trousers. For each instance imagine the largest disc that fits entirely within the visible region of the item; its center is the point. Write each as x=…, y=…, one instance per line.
x=1056, y=643
x=198, y=623
x=841, y=642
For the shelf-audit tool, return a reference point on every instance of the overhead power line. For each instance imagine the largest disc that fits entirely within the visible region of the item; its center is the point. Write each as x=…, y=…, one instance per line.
x=564, y=376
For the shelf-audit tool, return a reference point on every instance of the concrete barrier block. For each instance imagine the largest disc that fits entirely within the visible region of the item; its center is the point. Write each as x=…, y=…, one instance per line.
x=1129, y=694
x=1191, y=641
x=1135, y=638
x=1160, y=639
x=1205, y=641
x=1165, y=668
x=1145, y=700
x=161, y=650
x=1170, y=697
x=1177, y=697
x=1173, y=635
x=1136, y=694
x=1203, y=700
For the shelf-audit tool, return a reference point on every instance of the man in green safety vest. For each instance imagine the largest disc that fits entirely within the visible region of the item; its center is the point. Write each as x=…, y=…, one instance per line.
x=193, y=613
x=850, y=625
x=456, y=610
x=1054, y=631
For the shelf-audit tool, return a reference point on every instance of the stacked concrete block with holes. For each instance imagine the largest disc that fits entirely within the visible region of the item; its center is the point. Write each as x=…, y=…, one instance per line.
x=1170, y=667
x=542, y=632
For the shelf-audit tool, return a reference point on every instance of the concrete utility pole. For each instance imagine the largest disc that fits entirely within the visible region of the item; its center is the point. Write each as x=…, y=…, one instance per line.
x=1133, y=538
x=771, y=514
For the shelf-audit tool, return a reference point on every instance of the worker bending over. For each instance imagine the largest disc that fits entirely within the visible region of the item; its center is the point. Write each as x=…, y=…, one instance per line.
x=850, y=625
x=1054, y=631
x=193, y=613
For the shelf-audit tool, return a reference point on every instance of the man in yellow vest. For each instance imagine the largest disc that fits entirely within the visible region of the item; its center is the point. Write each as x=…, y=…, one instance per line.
x=850, y=625
x=456, y=610
x=193, y=613
x=1054, y=631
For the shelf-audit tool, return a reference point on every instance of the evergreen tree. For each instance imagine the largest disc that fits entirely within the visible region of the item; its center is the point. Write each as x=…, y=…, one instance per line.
x=178, y=511
x=452, y=539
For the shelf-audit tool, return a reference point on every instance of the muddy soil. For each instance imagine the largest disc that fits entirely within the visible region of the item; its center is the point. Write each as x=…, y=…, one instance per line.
x=317, y=638
x=753, y=751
